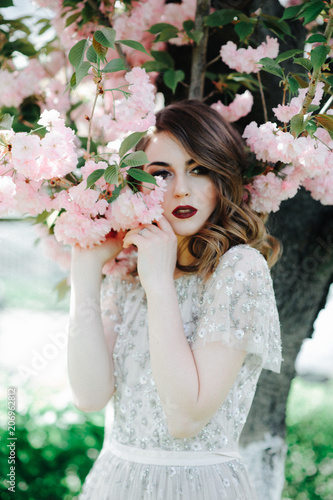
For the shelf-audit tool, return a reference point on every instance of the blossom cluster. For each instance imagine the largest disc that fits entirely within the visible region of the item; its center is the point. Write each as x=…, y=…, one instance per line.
x=39, y=174
x=247, y=60
x=240, y=106
x=134, y=113
x=308, y=162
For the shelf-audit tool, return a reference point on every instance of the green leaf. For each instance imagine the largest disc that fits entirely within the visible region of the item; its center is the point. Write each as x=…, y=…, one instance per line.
x=71, y=19
x=135, y=159
x=312, y=108
x=111, y=174
x=76, y=54
x=316, y=38
x=328, y=79
x=99, y=49
x=273, y=71
x=6, y=3
x=326, y=121
x=130, y=142
x=293, y=11
x=141, y=175
x=163, y=57
x=188, y=25
x=134, y=45
x=172, y=78
x=293, y=85
x=19, y=45
x=306, y=63
x=159, y=27
x=270, y=66
x=253, y=170
x=312, y=10
x=167, y=34
x=44, y=29
x=81, y=72
x=221, y=17
x=91, y=55
x=94, y=176
x=318, y=56
x=6, y=121
x=279, y=27
x=106, y=37
x=42, y=217
x=311, y=127
x=114, y=65
x=302, y=83
x=287, y=55
x=297, y=124
x=195, y=35
x=115, y=193
x=16, y=24
x=154, y=66
x=72, y=83
x=244, y=30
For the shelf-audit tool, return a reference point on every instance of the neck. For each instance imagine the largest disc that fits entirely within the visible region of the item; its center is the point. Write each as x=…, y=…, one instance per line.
x=184, y=256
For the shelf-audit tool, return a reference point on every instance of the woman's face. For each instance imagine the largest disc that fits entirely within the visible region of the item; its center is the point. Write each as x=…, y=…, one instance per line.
x=191, y=196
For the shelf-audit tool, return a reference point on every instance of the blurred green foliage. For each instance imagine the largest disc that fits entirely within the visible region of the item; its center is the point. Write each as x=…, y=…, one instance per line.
x=56, y=447
x=309, y=465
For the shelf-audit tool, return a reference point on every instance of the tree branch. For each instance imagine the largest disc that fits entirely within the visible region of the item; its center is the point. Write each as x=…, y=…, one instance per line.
x=199, y=52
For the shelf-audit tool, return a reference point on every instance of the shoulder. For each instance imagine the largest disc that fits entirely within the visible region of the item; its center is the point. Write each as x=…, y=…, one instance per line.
x=242, y=257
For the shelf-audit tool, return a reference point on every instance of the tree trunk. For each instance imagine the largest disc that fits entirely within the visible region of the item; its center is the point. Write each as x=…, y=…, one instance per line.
x=198, y=68
x=301, y=280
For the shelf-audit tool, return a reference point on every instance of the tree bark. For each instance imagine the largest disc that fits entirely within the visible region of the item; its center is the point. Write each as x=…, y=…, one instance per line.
x=301, y=280
x=198, y=68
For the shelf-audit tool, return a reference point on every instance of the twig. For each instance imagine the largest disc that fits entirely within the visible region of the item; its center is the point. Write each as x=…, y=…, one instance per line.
x=90, y=119
x=122, y=56
x=262, y=97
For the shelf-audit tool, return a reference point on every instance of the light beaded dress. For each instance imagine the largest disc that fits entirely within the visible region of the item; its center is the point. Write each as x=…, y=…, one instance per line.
x=139, y=458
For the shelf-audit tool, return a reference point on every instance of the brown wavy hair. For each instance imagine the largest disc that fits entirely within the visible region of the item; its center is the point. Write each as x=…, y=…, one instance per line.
x=215, y=144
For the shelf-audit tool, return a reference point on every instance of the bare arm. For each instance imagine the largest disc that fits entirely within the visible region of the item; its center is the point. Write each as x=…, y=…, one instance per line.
x=191, y=385
x=90, y=364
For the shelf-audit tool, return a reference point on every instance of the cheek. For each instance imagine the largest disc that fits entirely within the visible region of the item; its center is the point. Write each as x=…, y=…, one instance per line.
x=208, y=194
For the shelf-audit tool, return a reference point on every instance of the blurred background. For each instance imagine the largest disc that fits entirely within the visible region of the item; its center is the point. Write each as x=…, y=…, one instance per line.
x=57, y=444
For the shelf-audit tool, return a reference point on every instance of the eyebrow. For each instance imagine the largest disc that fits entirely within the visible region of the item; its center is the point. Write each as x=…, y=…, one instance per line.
x=167, y=165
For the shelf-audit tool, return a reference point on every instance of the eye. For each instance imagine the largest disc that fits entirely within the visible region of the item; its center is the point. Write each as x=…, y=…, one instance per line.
x=162, y=173
x=200, y=170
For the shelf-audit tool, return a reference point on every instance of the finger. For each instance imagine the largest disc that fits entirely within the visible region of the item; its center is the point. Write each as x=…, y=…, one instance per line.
x=165, y=225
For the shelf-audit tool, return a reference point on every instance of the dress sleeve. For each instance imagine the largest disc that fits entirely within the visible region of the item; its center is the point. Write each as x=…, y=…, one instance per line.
x=239, y=308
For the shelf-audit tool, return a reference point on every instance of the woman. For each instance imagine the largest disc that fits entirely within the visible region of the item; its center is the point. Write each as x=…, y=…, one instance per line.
x=182, y=343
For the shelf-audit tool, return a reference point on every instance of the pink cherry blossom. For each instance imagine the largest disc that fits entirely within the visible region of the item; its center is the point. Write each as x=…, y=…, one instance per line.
x=32, y=197
x=7, y=195
x=246, y=60
x=267, y=191
x=124, y=264
x=285, y=113
x=72, y=228
x=240, y=106
x=130, y=209
x=321, y=187
x=135, y=114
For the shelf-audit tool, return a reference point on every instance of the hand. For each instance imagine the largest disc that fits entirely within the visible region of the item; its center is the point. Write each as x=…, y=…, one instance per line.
x=100, y=254
x=157, y=252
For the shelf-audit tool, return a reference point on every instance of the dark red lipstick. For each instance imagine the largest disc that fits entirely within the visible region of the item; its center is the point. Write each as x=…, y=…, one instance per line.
x=184, y=212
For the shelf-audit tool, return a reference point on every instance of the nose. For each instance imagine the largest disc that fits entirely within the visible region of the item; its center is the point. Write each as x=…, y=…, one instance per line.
x=181, y=187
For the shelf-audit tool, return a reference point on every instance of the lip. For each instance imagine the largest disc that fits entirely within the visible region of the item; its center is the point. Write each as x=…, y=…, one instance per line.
x=184, y=212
